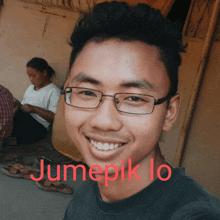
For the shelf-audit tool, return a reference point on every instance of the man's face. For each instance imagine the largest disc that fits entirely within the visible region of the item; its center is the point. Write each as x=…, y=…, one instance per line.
x=114, y=66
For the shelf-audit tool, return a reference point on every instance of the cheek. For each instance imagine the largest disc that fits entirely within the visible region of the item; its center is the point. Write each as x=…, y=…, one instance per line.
x=38, y=78
x=41, y=79
x=35, y=79
x=146, y=128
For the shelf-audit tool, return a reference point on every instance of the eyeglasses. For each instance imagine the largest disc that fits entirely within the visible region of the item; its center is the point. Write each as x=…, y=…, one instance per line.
x=131, y=103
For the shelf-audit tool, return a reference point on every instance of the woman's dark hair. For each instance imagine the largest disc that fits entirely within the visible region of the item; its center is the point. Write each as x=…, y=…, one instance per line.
x=129, y=23
x=40, y=64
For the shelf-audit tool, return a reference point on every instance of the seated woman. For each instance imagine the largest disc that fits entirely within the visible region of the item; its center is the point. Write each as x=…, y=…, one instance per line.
x=39, y=104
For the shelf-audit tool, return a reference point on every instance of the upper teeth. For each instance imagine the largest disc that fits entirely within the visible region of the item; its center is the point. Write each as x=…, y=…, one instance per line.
x=104, y=146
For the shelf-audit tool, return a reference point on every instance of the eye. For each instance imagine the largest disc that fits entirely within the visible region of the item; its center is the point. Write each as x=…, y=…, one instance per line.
x=87, y=93
x=134, y=99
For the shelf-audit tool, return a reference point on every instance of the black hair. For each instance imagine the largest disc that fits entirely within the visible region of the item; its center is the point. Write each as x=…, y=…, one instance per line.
x=40, y=65
x=130, y=23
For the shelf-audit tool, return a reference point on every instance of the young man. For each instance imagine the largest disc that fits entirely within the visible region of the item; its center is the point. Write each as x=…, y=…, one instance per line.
x=120, y=96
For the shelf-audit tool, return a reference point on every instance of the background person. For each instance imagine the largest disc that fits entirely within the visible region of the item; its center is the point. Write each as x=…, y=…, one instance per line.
x=6, y=114
x=39, y=104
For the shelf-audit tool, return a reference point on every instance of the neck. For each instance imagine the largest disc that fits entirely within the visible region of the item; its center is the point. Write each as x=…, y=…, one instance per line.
x=121, y=189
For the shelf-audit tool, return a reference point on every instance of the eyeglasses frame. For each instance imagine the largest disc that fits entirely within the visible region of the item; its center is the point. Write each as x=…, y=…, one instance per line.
x=156, y=101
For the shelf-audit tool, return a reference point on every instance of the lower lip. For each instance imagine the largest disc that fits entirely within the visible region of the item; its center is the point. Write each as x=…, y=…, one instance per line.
x=104, y=155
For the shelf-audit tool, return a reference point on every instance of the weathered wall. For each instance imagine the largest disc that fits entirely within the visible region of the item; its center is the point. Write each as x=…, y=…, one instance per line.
x=202, y=155
x=27, y=31
x=187, y=71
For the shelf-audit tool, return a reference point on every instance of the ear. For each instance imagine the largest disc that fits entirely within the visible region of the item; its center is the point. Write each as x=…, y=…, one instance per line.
x=172, y=112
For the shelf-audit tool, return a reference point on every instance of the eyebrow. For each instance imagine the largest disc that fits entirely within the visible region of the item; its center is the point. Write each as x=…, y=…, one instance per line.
x=137, y=83
x=82, y=77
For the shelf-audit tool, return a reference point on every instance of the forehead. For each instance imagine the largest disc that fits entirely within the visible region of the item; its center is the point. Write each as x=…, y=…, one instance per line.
x=114, y=62
x=31, y=70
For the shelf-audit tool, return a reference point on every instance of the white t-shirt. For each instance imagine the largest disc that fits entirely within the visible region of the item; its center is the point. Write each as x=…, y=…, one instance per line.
x=46, y=98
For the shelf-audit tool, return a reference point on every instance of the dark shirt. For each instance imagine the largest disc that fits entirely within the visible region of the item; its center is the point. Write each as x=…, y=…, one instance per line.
x=179, y=198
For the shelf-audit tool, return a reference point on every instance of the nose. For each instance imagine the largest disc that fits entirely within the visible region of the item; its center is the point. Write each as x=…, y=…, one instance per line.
x=106, y=117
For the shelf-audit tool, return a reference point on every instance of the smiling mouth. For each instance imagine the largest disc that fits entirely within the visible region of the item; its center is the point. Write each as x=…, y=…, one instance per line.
x=105, y=146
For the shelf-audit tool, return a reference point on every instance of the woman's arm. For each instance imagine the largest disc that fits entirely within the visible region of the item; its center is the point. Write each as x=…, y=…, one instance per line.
x=47, y=115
